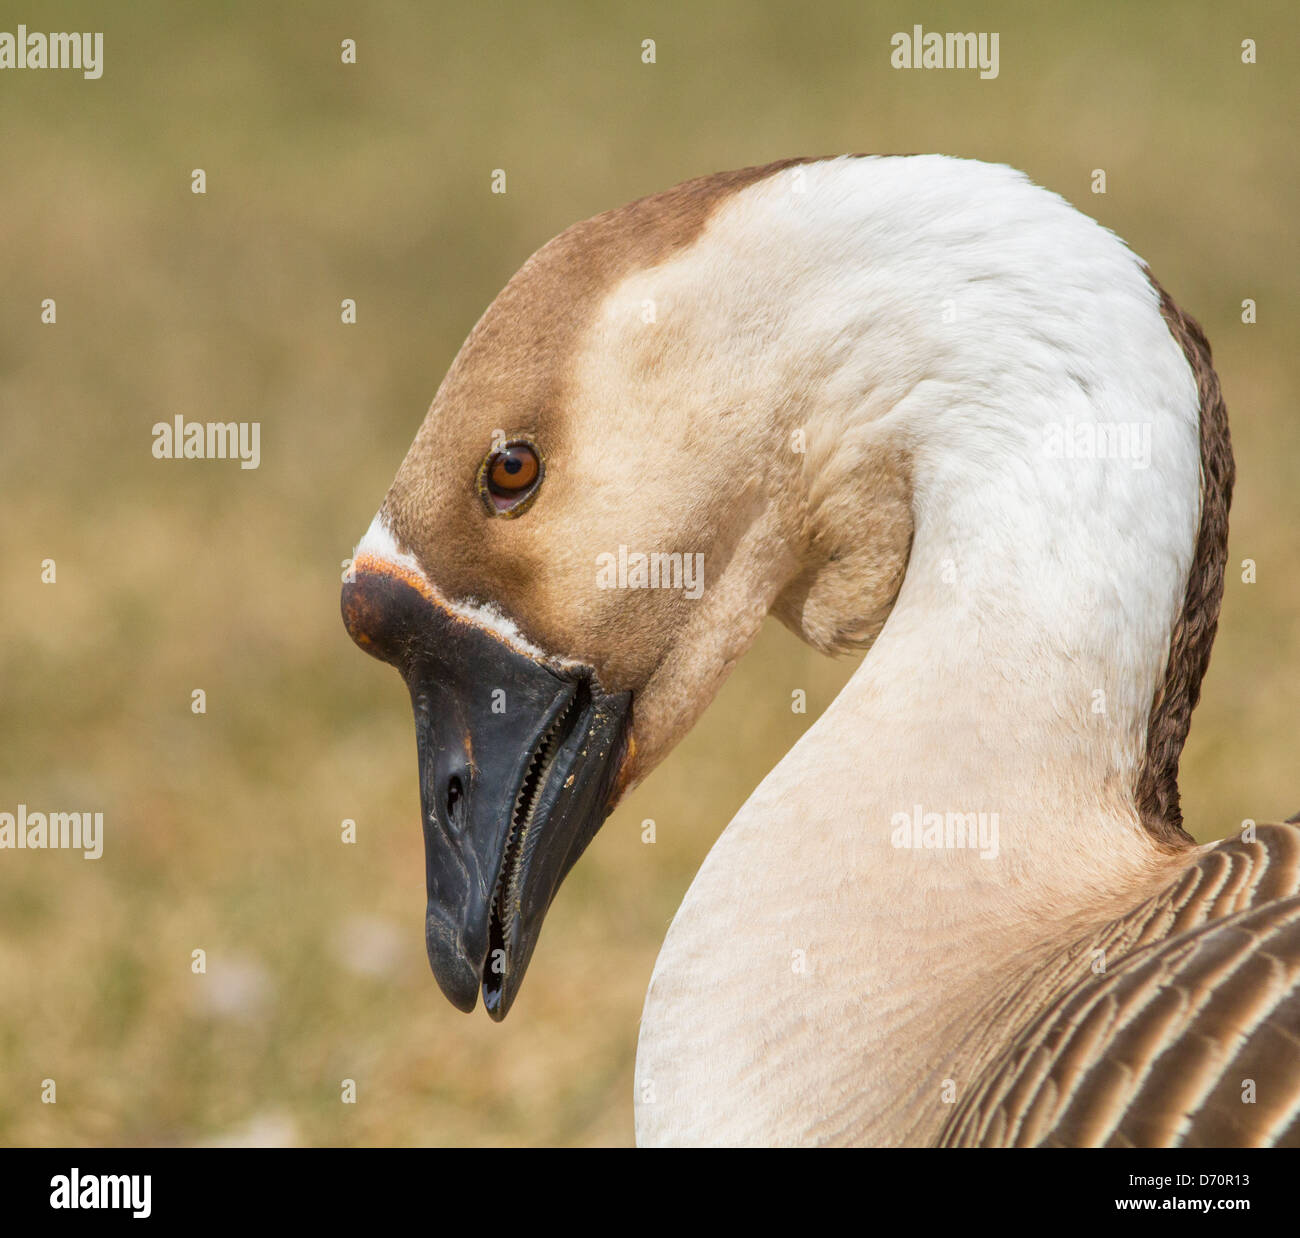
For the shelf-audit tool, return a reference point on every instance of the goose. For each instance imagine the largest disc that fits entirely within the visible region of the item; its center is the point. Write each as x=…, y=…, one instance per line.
x=913, y=405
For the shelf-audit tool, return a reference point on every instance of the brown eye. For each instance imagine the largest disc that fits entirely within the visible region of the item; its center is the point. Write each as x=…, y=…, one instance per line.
x=509, y=478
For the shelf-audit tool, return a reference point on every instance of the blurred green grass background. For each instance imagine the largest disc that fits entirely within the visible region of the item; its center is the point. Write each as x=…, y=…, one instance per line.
x=372, y=182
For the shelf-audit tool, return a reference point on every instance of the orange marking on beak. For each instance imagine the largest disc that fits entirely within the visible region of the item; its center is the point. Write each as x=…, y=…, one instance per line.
x=416, y=580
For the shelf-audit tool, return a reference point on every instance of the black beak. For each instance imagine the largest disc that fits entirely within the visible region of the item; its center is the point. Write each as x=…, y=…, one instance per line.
x=518, y=765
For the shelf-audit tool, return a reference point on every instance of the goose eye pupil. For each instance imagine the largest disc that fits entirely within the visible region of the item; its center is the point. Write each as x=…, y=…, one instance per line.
x=512, y=465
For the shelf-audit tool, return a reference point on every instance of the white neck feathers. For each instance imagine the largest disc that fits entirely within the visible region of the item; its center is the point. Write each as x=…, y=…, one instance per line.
x=1012, y=353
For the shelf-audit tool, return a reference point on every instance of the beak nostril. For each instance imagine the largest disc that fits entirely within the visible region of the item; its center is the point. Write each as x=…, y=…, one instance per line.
x=455, y=795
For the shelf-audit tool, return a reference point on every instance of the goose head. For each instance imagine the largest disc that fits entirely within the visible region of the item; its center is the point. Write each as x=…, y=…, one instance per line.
x=699, y=392
x=583, y=414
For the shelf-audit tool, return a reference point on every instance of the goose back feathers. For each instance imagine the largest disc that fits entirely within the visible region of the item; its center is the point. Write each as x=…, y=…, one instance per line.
x=1184, y=1031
